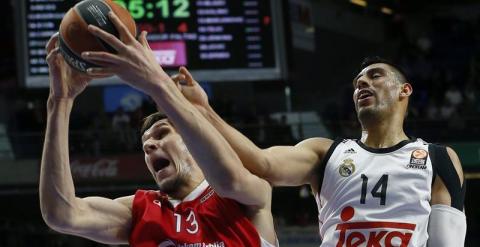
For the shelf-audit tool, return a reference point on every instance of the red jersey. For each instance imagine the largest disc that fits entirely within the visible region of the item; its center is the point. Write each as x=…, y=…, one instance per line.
x=202, y=219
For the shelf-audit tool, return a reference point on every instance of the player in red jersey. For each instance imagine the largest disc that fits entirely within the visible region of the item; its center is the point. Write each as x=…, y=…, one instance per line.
x=181, y=152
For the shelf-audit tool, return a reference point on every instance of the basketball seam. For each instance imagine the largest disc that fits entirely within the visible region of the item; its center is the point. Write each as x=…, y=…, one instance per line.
x=83, y=19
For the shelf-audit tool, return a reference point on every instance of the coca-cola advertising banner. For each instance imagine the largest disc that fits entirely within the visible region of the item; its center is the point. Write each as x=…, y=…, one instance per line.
x=114, y=168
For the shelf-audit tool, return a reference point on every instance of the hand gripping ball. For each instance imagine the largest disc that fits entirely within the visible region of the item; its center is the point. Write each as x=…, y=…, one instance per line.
x=75, y=38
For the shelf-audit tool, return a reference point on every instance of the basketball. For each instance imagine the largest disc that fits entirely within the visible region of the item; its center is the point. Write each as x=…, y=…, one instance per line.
x=75, y=38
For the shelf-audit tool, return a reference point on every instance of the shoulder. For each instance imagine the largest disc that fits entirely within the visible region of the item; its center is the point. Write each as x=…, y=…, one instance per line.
x=323, y=147
x=444, y=158
x=126, y=200
x=315, y=141
x=448, y=181
x=456, y=162
x=318, y=145
x=140, y=196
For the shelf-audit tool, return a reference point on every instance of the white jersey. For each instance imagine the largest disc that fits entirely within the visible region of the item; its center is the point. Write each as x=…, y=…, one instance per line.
x=375, y=197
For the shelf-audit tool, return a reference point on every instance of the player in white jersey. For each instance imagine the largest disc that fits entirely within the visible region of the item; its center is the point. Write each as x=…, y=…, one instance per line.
x=378, y=197
x=384, y=190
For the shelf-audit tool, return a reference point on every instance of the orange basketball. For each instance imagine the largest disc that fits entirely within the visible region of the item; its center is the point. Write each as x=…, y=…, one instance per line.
x=75, y=38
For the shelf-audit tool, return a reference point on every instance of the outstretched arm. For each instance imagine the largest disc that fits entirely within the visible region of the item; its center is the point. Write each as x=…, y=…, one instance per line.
x=280, y=165
x=136, y=64
x=96, y=218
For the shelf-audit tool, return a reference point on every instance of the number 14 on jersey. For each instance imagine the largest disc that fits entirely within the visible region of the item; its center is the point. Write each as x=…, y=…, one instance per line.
x=379, y=190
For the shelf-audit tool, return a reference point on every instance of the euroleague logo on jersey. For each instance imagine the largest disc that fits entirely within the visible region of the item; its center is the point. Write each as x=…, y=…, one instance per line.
x=418, y=159
x=372, y=233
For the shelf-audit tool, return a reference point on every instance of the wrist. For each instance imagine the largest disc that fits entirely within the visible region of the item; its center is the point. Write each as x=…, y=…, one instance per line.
x=54, y=103
x=161, y=89
x=158, y=81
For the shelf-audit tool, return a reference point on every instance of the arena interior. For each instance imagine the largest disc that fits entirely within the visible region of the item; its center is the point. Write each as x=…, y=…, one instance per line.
x=310, y=57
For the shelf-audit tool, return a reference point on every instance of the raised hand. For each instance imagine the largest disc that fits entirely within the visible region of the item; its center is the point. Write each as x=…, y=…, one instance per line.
x=191, y=89
x=134, y=61
x=65, y=82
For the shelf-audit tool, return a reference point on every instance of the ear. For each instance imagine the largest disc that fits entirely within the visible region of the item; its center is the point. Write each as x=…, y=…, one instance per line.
x=406, y=90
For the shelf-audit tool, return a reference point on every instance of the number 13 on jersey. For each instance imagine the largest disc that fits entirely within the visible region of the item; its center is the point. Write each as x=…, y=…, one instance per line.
x=191, y=224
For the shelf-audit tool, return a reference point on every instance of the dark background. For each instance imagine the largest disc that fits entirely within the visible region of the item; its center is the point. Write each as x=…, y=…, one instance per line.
x=436, y=42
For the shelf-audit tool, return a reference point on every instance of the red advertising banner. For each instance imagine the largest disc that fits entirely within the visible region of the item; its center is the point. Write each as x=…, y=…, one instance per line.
x=127, y=168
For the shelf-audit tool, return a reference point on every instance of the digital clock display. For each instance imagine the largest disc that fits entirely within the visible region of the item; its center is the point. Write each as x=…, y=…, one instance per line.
x=164, y=9
x=218, y=40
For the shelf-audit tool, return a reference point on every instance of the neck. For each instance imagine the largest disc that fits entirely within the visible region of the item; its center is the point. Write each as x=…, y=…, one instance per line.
x=185, y=189
x=383, y=134
x=182, y=192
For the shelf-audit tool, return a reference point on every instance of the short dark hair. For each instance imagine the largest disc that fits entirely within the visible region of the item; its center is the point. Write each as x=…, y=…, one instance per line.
x=399, y=72
x=150, y=120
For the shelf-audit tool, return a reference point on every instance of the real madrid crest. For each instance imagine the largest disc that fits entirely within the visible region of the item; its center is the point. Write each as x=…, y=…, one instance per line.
x=347, y=168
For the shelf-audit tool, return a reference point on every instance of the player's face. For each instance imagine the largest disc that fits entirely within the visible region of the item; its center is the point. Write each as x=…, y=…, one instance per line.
x=166, y=156
x=376, y=90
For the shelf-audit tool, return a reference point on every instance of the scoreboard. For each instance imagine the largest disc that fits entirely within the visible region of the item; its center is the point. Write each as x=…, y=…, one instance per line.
x=218, y=40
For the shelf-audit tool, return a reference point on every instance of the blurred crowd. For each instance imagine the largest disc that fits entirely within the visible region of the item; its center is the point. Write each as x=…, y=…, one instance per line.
x=445, y=69
x=443, y=66
x=102, y=133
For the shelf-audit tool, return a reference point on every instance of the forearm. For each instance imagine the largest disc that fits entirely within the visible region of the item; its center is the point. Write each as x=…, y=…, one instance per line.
x=211, y=151
x=250, y=154
x=57, y=193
